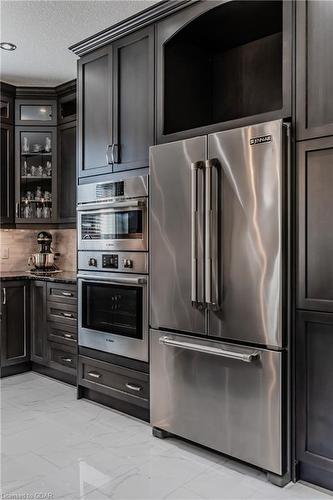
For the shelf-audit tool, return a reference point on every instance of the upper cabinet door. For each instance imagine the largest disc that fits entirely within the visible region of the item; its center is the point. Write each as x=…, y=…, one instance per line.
x=35, y=112
x=315, y=237
x=67, y=173
x=314, y=70
x=95, y=113
x=7, y=174
x=6, y=108
x=221, y=65
x=133, y=103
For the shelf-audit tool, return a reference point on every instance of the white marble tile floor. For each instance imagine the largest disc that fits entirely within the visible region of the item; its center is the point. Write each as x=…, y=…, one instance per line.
x=54, y=446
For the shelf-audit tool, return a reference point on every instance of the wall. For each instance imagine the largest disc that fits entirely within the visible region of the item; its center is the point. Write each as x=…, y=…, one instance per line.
x=21, y=243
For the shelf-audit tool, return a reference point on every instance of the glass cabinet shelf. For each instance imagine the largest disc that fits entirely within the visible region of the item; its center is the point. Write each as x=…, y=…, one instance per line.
x=36, y=176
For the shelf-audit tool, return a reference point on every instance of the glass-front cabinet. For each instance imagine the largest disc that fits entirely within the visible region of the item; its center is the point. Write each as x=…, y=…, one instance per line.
x=35, y=112
x=36, y=174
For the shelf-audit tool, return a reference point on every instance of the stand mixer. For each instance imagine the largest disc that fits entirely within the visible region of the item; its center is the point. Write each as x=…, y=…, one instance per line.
x=43, y=261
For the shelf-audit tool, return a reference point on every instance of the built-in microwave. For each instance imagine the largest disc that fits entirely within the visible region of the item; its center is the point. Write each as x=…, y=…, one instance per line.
x=113, y=215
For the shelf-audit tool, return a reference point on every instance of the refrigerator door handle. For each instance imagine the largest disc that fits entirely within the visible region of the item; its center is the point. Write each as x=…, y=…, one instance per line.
x=211, y=237
x=197, y=301
x=215, y=351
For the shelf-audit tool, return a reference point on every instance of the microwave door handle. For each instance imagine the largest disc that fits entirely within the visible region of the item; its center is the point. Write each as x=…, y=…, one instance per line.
x=211, y=236
x=121, y=281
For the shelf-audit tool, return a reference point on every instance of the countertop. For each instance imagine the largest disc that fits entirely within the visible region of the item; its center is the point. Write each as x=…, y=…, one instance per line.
x=63, y=277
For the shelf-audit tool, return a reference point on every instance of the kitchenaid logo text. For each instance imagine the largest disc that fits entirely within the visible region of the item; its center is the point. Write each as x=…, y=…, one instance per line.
x=260, y=140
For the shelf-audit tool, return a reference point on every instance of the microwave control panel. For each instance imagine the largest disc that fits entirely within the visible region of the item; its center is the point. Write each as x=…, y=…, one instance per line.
x=110, y=261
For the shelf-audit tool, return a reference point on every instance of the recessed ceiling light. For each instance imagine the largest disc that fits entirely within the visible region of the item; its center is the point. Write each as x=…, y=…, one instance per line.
x=7, y=46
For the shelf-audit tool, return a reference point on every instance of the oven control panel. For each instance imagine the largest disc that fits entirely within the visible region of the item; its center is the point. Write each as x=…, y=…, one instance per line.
x=110, y=261
x=121, y=262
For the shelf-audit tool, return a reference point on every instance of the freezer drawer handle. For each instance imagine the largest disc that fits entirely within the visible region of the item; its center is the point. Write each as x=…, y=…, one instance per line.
x=247, y=358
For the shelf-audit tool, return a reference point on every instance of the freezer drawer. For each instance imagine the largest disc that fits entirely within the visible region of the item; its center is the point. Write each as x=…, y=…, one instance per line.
x=219, y=395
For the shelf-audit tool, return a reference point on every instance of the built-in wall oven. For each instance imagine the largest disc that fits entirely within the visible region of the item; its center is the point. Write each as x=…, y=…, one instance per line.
x=113, y=267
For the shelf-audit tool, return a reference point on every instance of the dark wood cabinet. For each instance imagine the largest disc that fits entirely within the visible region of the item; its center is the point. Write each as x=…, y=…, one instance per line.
x=314, y=397
x=37, y=112
x=314, y=69
x=38, y=322
x=7, y=93
x=95, y=113
x=133, y=99
x=67, y=173
x=15, y=348
x=315, y=236
x=116, y=105
x=115, y=381
x=67, y=107
x=222, y=65
x=7, y=174
x=36, y=175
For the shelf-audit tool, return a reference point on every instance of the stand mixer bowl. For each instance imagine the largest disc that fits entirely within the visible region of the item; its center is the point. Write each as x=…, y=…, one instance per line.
x=42, y=260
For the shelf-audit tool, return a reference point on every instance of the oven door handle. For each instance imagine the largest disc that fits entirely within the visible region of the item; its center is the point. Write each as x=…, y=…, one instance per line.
x=110, y=204
x=122, y=281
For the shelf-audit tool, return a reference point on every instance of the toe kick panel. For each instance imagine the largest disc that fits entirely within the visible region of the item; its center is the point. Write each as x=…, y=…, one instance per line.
x=220, y=395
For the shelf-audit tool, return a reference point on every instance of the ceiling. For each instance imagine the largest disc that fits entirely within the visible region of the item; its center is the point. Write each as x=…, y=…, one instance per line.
x=44, y=29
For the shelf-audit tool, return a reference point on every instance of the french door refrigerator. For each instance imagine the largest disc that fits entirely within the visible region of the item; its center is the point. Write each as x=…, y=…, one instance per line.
x=217, y=319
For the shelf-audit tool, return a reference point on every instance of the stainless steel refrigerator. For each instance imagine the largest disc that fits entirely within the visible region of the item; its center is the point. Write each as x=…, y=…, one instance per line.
x=218, y=251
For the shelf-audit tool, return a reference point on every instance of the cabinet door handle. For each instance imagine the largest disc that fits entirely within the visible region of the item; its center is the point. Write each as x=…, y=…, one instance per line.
x=4, y=296
x=108, y=147
x=17, y=210
x=94, y=375
x=67, y=360
x=67, y=294
x=67, y=315
x=133, y=387
x=67, y=336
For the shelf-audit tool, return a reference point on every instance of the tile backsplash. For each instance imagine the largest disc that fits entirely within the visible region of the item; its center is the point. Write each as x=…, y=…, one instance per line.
x=19, y=244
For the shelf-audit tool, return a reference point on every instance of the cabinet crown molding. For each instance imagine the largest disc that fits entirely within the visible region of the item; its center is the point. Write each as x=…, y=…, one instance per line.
x=137, y=21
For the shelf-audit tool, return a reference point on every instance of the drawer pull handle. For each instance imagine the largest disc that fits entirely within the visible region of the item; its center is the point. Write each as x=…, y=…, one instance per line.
x=134, y=387
x=67, y=336
x=67, y=360
x=67, y=315
x=67, y=294
x=94, y=375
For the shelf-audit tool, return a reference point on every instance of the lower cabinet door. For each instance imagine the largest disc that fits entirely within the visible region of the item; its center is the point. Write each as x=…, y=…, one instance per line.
x=14, y=326
x=314, y=397
x=223, y=396
x=39, y=325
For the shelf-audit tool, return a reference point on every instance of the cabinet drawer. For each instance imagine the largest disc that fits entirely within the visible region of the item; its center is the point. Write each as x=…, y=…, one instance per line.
x=62, y=313
x=64, y=334
x=115, y=381
x=62, y=357
x=59, y=292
